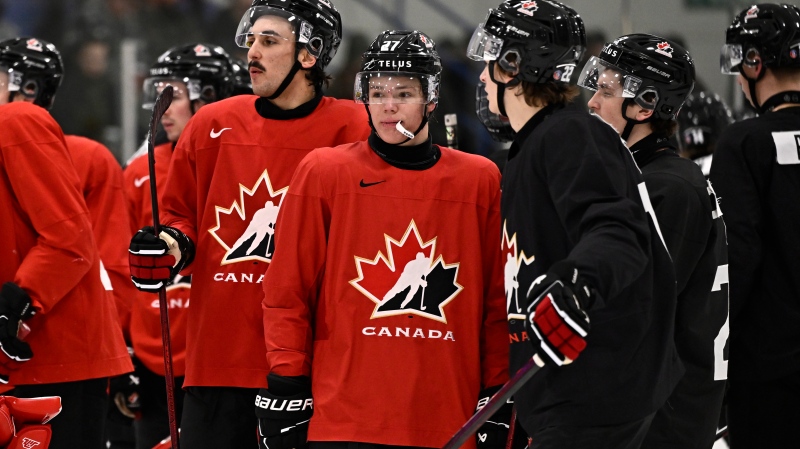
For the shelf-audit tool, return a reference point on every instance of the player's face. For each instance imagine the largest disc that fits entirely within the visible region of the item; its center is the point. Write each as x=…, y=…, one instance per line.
x=179, y=112
x=745, y=87
x=607, y=100
x=397, y=99
x=271, y=54
x=491, y=90
x=3, y=86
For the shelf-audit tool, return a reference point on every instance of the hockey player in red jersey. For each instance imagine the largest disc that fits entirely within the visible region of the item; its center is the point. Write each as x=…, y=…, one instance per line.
x=756, y=171
x=642, y=106
x=234, y=157
x=200, y=74
x=52, y=276
x=596, y=285
x=384, y=308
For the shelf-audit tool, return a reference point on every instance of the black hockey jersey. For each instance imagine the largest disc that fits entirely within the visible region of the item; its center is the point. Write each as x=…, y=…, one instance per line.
x=756, y=173
x=692, y=226
x=571, y=190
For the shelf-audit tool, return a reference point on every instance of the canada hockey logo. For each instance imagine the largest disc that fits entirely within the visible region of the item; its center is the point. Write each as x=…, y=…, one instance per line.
x=246, y=229
x=410, y=279
x=664, y=48
x=751, y=13
x=29, y=443
x=514, y=258
x=527, y=8
x=34, y=44
x=201, y=50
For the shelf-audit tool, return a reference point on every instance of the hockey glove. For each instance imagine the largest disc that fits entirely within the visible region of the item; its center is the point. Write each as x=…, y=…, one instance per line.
x=557, y=304
x=124, y=389
x=156, y=260
x=15, y=306
x=283, y=411
x=493, y=434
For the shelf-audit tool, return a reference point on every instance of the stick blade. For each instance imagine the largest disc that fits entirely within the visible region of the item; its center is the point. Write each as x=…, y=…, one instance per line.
x=161, y=105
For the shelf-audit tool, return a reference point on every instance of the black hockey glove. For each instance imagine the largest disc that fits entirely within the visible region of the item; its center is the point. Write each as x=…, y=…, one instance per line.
x=124, y=389
x=283, y=411
x=155, y=260
x=493, y=434
x=557, y=322
x=15, y=306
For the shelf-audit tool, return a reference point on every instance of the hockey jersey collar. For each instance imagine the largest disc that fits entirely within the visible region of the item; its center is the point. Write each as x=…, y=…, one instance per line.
x=649, y=148
x=527, y=129
x=417, y=157
x=268, y=110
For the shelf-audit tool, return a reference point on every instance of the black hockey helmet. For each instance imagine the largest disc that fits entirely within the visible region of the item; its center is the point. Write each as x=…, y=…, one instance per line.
x=498, y=126
x=317, y=25
x=34, y=69
x=654, y=72
x=205, y=69
x=241, y=78
x=702, y=118
x=410, y=54
x=535, y=41
x=771, y=30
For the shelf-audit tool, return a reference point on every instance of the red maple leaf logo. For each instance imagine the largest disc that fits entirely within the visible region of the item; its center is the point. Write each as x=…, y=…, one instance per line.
x=513, y=260
x=246, y=228
x=378, y=278
x=663, y=45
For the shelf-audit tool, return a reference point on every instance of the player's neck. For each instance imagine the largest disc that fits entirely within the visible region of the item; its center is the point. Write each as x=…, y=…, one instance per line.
x=519, y=112
x=638, y=133
x=299, y=92
x=773, y=84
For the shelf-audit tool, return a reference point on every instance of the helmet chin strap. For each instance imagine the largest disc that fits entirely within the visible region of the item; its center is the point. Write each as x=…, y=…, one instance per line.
x=286, y=81
x=630, y=122
x=501, y=89
x=751, y=85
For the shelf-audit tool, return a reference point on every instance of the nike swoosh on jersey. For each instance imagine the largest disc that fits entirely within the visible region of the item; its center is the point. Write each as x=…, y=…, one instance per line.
x=368, y=184
x=139, y=181
x=215, y=134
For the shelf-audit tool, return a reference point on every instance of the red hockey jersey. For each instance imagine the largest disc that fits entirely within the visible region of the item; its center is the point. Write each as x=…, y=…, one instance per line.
x=101, y=183
x=145, y=327
x=387, y=289
x=227, y=179
x=48, y=250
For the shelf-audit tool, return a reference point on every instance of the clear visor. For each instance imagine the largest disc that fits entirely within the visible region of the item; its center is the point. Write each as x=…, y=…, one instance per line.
x=730, y=58
x=395, y=87
x=483, y=46
x=600, y=76
x=183, y=88
x=277, y=29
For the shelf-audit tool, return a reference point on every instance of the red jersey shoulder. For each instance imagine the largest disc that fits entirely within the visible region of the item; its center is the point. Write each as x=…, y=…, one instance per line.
x=23, y=121
x=467, y=161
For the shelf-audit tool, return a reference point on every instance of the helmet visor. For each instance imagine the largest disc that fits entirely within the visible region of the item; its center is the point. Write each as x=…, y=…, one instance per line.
x=183, y=88
x=730, y=58
x=395, y=87
x=484, y=46
x=601, y=76
x=245, y=35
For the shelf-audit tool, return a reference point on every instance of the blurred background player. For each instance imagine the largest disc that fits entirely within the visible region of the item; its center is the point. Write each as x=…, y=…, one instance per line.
x=52, y=280
x=586, y=252
x=756, y=172
x=234, y=157
x=643, y=104
x=199, y=74
x=370, y=325
x=701, y=121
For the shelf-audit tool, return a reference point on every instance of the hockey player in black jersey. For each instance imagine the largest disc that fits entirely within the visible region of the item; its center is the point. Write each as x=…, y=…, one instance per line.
x=642, y=104
x=702, y=119
x=587, y=266
x=756, y=172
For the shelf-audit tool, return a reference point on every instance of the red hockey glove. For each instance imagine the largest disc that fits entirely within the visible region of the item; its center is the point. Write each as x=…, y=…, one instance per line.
x=15, y=306
x=557, y=304
x=493, y=434
x=283, y=411
x=156, y=260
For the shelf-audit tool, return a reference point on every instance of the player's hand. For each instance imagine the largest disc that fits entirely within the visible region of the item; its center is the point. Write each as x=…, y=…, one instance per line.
x=15, y=306
x=124, y=389
x=283, y=412
x=493, y=434
x=154, y=260
x=556, y=313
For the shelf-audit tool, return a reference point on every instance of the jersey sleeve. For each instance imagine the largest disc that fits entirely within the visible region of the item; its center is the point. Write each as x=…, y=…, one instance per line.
x=739, y=198
x=494, y=333
x=134, y=197
x=179, y=198
x=587, y=179
x=291, y=283
x=684, y=219
x=45, y=183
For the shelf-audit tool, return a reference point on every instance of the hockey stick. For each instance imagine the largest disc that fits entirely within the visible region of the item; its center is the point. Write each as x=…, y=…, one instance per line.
x=512, y=426
x=159, y=108
x=519, y=379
